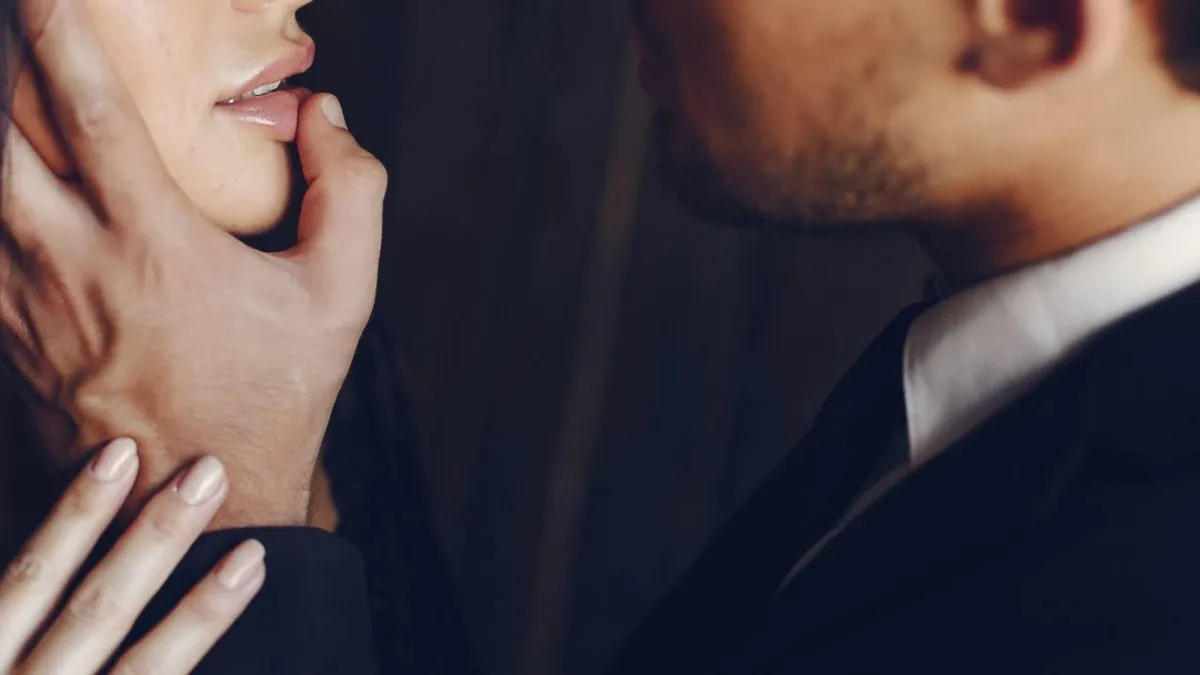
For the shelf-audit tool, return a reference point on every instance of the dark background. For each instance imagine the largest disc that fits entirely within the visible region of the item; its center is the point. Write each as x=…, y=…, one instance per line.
x=598, y=379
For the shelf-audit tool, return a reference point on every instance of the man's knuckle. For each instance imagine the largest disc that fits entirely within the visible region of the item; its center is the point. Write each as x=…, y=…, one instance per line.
x=366, y=171
x=93, y=113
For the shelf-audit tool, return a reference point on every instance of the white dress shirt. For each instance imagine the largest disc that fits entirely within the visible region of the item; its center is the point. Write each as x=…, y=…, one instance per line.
x=976, y=352
x=979, y=350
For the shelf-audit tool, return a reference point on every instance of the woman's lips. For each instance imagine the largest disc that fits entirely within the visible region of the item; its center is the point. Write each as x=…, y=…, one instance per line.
x=277, y=112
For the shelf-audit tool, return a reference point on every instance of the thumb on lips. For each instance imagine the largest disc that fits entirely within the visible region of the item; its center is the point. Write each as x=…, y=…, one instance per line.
x=341, y=219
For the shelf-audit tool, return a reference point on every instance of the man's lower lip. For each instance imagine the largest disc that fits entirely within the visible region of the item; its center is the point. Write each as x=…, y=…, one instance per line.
x=278, y=113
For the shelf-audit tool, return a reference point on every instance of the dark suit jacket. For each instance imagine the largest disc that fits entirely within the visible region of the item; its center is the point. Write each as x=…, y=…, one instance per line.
x=1062, y=536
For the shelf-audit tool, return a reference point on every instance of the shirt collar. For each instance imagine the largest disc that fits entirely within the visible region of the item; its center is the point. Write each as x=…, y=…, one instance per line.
x=980, y=349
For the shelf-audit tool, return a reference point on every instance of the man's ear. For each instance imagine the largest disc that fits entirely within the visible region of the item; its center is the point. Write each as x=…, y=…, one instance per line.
x=31, y=116
x=1022, y=41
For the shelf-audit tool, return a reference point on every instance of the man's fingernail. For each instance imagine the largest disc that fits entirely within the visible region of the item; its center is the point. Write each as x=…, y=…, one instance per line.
x=202, y=482
x=241, y=566
x=115, y=461
x=333, y=111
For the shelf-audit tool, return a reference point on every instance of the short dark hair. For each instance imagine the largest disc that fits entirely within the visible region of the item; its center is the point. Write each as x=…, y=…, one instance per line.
x=1180, y=22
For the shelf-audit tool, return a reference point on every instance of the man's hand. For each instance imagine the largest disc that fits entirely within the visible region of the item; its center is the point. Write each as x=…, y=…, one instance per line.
x=127, y=310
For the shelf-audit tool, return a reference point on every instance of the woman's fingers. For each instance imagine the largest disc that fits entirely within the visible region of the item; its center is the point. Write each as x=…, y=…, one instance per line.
x=33, y=585
x=82, y=637
x=178, y=644
x=102, y=610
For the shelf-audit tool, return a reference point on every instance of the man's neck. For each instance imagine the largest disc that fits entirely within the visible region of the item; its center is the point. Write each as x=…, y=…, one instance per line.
x=1056, y=207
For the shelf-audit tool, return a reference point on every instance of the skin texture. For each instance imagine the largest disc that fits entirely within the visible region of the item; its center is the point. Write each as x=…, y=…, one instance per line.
x=753, y=126
x=129, y=312
x=178, y=58
x=1000, y=131
x=48, y=624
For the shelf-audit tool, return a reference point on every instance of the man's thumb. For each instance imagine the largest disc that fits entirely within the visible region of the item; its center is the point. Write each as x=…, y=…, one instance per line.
x=341, y=221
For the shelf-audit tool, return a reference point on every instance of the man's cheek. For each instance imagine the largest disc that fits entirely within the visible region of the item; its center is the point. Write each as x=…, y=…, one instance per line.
x=33, y=120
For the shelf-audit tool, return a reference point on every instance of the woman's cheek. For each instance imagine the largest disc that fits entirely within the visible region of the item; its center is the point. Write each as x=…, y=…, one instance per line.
x=33, y=120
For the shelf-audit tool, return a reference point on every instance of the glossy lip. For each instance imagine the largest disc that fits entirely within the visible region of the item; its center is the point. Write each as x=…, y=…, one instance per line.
x=295, y=63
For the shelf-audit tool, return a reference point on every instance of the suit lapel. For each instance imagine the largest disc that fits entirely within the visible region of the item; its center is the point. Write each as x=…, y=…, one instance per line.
x=721, y=600
x=723, y=597
x=1124, y=407
x=963, y=502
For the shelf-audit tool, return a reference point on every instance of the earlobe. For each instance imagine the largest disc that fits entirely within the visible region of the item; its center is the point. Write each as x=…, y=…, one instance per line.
x=33, y=120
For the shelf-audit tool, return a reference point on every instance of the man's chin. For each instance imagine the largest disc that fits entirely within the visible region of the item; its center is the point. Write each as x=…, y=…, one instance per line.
x=699, y=189
x=742, y=194
x=686, y=171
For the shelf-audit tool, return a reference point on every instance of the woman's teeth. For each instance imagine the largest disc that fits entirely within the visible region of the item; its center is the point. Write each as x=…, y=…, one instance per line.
x=258, y=91
x=265, y=89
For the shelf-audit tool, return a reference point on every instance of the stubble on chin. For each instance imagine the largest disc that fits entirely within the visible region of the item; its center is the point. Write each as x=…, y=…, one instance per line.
x=836, y=186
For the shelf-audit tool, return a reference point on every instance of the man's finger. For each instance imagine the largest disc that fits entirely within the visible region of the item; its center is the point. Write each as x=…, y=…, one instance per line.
x=39, y=212
x=341, y=222
x=95, y=112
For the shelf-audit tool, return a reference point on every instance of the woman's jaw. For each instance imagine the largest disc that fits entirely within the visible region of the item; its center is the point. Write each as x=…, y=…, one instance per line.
x=210, y=83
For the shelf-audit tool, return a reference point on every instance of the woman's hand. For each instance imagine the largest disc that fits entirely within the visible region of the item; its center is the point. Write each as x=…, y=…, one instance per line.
x=44, y=628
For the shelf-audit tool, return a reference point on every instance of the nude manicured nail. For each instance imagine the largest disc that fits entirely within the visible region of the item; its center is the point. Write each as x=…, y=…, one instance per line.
x=115, y=461
x=333, y=111
x=241, y=566
x=202, y=482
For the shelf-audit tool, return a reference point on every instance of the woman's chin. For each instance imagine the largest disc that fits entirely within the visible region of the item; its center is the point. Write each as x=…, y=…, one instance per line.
x=262, y=220
x=248, y=212
x=242, y=184
x=244, y=221
x=246, y=226
x=251, y=229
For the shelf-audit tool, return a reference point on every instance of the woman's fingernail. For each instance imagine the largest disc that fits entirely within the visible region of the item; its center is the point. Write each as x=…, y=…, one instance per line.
x=333, y=111
x=202, y=482
x=241, y=566
x=115, y=461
